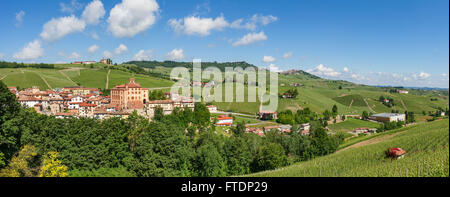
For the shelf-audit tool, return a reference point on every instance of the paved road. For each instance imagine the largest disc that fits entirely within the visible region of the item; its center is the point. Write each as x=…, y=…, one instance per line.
x=234, y=113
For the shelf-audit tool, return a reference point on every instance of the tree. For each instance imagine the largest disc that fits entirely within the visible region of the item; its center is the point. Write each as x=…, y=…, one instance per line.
x=24, y=164
x=270, y=156
x=159, y=113
x=201, y=114
x=238, y=156
x=52, y=167
x=239, y=129
x=334, y=110
x=365, y=115
x=209, y=162
x=327, y=115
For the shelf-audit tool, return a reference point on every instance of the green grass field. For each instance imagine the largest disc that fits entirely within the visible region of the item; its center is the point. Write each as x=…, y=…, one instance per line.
x=426, y=144
x=351, y=124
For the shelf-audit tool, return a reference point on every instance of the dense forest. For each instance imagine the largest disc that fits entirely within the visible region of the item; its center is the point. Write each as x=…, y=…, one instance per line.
x=184, y=143
x=173, y=64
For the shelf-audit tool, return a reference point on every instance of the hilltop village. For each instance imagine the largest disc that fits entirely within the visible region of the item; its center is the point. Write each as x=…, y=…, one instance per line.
x=123, y=100
x=90, y=103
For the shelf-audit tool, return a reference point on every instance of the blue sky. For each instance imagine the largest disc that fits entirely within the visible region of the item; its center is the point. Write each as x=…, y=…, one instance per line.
x=402, y=42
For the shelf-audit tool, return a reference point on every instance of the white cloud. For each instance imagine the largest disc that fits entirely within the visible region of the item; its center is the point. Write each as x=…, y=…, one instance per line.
x=70, y=8
x=250, y=38
x=253, y=22
x=73, y=55
x=274, y=68
x=268, y=59
x=287, y=55
x=346, y=70
x=19, y=18
x=395, y=75
x=94, y=35
x=175, y=54
x=358, y=77
x=211, y=45
x=93, y=12
x=2, y=55
x=194, y=25
x=421, y=76
x=92, y=49
x=57, y=28
x=107, y=54
x=121, y=49
x=32, y=50
x=131, y=17
x=444, y=74
x=143, y=55
x=322, y=70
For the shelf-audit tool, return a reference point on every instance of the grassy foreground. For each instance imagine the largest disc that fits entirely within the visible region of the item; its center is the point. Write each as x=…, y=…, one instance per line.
x=427, y=147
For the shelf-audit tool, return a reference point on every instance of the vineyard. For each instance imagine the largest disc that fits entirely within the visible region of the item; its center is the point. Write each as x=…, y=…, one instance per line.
x=427, y=147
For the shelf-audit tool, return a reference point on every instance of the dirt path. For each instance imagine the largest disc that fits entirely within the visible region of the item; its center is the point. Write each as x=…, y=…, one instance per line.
x=107, y=79
x=404, y=106
x=45, y=81
x=3, y=77
x=369, y=106
x=68, y=78
x=74, y=69
x=371, y=141
x=350, y=106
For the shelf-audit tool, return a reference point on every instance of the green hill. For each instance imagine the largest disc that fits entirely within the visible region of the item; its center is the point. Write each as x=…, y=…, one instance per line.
x=94, y=76
x=315, y=93
x=426, y=144
x=354, y=100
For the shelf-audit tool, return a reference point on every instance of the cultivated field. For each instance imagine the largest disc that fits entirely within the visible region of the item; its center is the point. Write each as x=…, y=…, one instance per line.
x=426, y=144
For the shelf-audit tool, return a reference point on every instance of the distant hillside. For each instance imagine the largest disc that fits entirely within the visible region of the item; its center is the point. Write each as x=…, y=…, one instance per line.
x=173, y=64
x=299, y=72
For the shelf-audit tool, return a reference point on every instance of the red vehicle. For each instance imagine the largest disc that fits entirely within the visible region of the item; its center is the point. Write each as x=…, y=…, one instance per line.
x=395, y=153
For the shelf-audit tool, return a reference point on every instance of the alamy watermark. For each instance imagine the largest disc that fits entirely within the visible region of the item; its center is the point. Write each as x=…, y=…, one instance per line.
x=260, y=83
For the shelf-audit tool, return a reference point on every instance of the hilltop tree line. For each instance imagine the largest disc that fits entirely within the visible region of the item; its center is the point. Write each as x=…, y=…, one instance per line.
x=173, y=64
x=22, y=65
x=184, y=143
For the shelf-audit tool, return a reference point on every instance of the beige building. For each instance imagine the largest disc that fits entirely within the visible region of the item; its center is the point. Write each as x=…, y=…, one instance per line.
x=388, y=117
x=129, y=96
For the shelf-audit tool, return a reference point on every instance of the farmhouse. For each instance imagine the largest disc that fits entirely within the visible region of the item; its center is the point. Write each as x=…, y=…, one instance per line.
x=388, y=117
x=224, y=120
x=212, y=108
x=257, y=131
x=364, y=130
x=402, y=91
x=267, y=115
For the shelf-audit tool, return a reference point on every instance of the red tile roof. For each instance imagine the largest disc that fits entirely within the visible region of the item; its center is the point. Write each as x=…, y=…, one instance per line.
x=223, y=117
